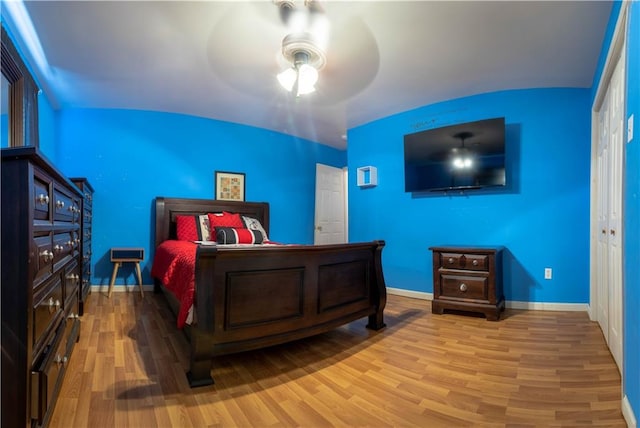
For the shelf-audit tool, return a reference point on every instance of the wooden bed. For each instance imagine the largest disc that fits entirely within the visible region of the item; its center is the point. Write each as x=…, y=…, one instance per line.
x=253, y=297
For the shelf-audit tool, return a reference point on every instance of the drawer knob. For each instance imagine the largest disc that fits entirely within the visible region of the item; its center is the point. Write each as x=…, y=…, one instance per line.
x=53, y=305
x=60, y=204
x=47, y=256
x=463, y=287
x=61, y=361
x=58, y=248
x=451, y=260
x=43, y=199
x=475, y=263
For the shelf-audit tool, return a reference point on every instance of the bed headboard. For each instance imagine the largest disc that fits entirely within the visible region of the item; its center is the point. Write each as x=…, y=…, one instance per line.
x=168, y=208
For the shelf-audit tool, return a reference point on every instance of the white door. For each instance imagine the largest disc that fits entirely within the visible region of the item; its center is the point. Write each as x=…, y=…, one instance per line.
x=609, y=253
x=616, y=166
x=330, y=219
x=602, y=204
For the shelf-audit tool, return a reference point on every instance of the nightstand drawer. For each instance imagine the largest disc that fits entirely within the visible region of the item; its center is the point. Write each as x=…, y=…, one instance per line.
x=478, y=262
x=464, y=287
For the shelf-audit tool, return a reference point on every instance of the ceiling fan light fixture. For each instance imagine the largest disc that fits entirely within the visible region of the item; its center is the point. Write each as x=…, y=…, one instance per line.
x=302, y=77
x=306, y=58
x=288, y=78
x=307, y=78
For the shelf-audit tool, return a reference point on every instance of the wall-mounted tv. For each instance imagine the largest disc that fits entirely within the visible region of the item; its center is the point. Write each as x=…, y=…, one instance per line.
x=457, y=157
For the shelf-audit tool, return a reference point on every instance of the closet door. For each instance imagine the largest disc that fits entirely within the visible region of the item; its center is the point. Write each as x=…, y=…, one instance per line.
x=602, y=203
x=616, y=168
x=609, y=252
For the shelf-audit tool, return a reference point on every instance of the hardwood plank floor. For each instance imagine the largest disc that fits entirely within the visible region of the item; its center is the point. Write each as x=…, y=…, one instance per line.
x=533, y=368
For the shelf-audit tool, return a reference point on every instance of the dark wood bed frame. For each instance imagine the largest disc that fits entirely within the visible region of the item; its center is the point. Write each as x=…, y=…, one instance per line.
x=253, y=297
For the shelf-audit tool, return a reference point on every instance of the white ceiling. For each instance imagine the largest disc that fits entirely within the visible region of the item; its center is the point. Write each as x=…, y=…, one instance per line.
x=219, y=59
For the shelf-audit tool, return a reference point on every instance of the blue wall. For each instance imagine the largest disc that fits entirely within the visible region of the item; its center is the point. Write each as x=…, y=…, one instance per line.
x=631, y=297
x=47, y=134
x=4, y=130
x=542, y=217
x=542, y=223
x=130, y=157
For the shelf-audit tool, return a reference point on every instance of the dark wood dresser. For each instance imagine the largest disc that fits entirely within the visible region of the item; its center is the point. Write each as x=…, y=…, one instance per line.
x=40, y=279
x=468, y=279
x=85, y=245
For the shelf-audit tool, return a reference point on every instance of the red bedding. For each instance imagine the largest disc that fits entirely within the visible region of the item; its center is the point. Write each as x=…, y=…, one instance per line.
x=174, y=265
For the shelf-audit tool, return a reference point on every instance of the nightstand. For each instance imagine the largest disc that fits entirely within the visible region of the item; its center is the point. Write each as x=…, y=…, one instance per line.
x=126, y=255
x=468, y=279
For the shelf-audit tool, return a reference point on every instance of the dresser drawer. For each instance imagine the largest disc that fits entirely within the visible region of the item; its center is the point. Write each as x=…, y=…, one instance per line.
x=71, y=282
x=87, y=216
x=47, y=309
x=42, y=258
x=64, y=247
x=47, y=377
x=41, y=193
x=463, y=287
x=65, y=207
x=477, y=262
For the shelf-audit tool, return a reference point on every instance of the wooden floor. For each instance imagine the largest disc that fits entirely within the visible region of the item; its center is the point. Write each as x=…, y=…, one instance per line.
x=533, y=368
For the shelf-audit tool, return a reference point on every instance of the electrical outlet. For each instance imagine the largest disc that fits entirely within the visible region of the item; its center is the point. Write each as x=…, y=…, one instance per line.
x=547, y=273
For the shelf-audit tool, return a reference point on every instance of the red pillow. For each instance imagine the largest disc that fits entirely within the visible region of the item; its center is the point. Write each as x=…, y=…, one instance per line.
x=225, y=219
x=192, y=228
x=235, y=235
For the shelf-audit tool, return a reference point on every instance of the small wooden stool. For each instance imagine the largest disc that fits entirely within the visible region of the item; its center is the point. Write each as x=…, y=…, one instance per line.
x=126, y=255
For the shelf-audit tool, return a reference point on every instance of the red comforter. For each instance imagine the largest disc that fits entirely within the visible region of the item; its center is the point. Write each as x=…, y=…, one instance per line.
x=174, y=265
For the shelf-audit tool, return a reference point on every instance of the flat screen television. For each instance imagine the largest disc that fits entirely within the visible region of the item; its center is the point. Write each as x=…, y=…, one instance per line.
x=457, y=157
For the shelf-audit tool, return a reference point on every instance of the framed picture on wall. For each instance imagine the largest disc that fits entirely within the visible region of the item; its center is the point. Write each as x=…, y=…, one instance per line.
x=229, y=186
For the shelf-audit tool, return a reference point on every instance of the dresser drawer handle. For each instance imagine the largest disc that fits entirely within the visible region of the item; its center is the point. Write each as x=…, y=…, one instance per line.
x=60, y=204
x=58, y=248
x=74, y=278
x=43, y=199
x=463, y=287
x=47, y=256
x=61, y=361
x=451, y=260
x=53, y=305
x=475, y=263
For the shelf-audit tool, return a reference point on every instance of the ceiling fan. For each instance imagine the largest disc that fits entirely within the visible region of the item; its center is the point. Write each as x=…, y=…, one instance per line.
x=282, y=37
x=303, y=47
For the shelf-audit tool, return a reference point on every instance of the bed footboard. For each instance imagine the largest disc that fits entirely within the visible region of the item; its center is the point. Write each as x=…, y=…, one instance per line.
x=250, y=298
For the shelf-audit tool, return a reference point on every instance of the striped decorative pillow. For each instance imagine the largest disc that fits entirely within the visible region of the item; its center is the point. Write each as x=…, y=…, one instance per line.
x=235, y=235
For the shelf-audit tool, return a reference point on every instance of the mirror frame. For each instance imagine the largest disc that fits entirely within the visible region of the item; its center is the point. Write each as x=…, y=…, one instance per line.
x=23, y=96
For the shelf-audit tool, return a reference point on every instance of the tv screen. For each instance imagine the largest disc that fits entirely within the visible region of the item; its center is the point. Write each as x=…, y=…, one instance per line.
x=457, y=157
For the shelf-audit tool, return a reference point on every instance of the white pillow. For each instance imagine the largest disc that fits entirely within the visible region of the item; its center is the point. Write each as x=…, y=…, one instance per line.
x=254, y=224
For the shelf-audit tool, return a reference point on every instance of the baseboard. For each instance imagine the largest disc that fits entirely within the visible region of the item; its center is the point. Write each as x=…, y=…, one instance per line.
x=539, y=306
x=120, y=288
x=409, y=293
x=546, y=306
x=627, y=412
